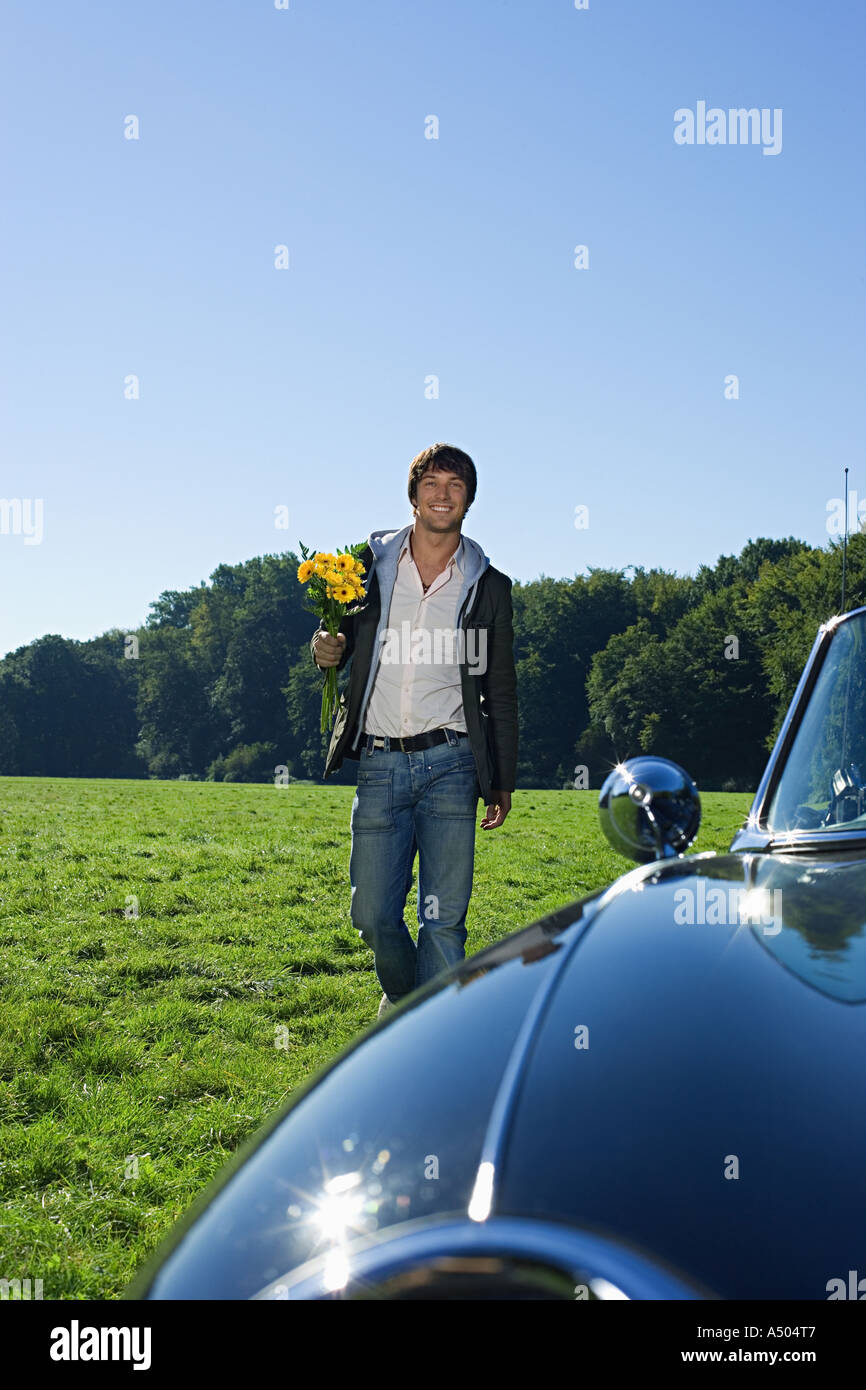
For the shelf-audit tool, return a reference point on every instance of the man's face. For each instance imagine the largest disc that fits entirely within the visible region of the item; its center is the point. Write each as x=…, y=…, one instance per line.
x=440, y=501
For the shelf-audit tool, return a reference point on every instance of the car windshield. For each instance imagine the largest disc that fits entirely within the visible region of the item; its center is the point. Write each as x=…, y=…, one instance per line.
x=823, y=784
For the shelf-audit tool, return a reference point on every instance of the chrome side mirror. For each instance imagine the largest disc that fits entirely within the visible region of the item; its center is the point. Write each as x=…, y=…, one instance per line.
x=649, y=809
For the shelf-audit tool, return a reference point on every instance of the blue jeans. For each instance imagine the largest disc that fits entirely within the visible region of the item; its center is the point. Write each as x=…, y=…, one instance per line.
x=425, y=801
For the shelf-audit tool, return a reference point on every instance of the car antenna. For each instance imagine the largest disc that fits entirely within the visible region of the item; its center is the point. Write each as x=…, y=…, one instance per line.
x=845, y=544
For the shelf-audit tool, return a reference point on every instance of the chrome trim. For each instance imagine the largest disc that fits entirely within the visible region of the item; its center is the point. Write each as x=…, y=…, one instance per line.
x=756, y=834
x=747, y=838
x=582, y=1254
x=799, y=841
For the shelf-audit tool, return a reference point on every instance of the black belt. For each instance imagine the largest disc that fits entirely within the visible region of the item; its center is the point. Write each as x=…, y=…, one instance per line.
x=417, y=741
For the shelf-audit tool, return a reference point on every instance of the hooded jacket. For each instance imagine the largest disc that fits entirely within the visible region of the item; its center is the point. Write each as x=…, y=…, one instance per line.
x=489, y=696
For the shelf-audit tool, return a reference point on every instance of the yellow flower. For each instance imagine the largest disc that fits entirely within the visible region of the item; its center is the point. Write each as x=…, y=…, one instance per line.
x=343, y=563
x=330, y=592
x=344, y=593
x=333, y=577
x=305, y=569
x=360, y=568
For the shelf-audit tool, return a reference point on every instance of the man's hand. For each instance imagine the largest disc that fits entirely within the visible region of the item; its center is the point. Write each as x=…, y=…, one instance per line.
x=327, y=650
x=497, y=810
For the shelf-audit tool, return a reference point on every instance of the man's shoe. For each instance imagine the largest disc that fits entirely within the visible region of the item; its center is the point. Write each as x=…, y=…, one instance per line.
x=384, y=1005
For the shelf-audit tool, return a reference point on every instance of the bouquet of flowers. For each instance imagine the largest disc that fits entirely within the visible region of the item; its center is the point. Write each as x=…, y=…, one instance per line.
x=335, y=585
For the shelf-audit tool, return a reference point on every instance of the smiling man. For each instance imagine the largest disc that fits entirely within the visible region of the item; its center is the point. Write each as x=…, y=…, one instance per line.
x=430, y=712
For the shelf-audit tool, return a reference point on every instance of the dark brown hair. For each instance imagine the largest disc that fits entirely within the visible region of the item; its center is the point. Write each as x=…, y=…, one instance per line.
x=444, y=458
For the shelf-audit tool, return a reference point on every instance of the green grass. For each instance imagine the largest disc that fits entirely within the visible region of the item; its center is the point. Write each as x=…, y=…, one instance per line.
x=148, y=1045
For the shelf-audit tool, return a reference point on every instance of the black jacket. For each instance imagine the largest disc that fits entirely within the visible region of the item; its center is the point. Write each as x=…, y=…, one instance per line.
x=489, y=699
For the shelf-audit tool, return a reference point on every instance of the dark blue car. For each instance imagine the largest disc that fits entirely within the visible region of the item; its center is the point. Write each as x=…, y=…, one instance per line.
x=654, y=1092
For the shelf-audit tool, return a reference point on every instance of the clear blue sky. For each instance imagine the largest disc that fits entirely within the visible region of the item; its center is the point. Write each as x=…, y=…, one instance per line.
x=410, y=257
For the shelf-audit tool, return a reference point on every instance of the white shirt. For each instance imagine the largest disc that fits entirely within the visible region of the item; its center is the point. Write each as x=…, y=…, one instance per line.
x=411, y=696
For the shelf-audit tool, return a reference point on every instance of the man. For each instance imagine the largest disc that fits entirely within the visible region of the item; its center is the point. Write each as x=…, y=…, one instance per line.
x=430, y=712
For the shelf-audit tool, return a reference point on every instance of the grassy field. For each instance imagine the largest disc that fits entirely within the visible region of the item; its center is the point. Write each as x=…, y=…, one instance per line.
x=137, y=1051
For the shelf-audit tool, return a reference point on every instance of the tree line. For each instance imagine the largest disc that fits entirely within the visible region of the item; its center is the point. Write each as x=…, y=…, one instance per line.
x=218, y=683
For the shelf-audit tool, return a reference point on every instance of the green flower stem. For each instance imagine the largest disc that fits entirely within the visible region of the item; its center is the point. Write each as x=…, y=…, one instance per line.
x=331, y=619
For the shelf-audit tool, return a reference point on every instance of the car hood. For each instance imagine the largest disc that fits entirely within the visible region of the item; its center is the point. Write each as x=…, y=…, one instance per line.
x=809, y=912
x=712, y=1113
x=642, y=1064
